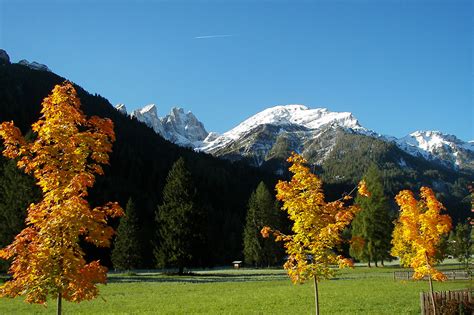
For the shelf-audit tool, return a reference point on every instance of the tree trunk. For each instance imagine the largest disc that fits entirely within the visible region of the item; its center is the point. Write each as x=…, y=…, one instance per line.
x=316, y=298
x=368, y=264
x=382, y=263
x=59, y=307
x=433, y=302
x=181, y=270
x=376, y=263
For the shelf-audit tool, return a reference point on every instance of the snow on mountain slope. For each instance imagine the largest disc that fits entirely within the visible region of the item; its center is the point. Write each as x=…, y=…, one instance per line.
x=178, y=127
x=121, y=108
x=434, y=145
x=34, y=65
x=294, y=116
x=183, y=128
x=149, y=115
x=276, y=131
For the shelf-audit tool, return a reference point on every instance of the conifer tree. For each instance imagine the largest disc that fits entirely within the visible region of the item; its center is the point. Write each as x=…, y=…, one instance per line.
x=17, y=191
x=372, y=227
x=461, y=243
x=262, y=211
x=177, y=218
x=126, y=254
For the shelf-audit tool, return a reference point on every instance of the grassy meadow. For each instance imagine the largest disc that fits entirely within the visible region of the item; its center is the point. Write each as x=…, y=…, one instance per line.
x=246, y=291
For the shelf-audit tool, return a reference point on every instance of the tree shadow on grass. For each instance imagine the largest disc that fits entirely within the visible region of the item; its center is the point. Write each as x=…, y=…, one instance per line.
x=198, y=277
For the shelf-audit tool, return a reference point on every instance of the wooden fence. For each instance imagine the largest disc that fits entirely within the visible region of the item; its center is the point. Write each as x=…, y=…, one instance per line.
x=451, y=274
x=448, y=302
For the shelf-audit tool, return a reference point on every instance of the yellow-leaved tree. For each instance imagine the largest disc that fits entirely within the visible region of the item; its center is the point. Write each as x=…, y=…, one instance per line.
x=317, y=225
x=67, y=152
x=418, y=232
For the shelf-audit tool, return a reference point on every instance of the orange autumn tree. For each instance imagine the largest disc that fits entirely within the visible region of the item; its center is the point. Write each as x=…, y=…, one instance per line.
x=418, y=232
x=64, y=158
x=317, y=225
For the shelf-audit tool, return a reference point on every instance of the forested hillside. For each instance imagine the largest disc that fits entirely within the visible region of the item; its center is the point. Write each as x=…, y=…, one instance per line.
x=139, y=166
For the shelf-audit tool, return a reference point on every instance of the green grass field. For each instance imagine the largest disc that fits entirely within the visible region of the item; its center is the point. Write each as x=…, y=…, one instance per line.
x=246, y=291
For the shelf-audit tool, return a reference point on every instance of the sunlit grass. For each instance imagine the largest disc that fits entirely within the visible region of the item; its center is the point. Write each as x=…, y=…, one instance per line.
x=246, y=291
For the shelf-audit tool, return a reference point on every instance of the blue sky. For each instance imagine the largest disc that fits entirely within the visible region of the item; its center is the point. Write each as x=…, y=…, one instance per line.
x=399, y=66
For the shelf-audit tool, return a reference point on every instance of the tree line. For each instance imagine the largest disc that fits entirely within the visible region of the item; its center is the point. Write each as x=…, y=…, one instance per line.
x=181, y=234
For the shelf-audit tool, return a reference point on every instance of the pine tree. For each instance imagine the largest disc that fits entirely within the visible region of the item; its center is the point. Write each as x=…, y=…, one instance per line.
x=178, y=220
x=262, y=211
x=17, y=192
x=126, y=254
x=461, y=243
x=372, y=227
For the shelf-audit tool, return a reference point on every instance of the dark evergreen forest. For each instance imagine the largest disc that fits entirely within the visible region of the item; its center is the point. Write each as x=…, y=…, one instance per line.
x=139, y=166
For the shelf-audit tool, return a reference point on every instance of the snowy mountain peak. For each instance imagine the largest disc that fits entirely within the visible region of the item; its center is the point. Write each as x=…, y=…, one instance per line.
x=149, y=110
x=175, y=111
x=435, y=145
x=183, y=128
x=281, y=129
x=300, y=115
x=286, y=117
x=121, y=108
x=149, y=115
x=178, y=127
x=34, y=65
x=431, y=140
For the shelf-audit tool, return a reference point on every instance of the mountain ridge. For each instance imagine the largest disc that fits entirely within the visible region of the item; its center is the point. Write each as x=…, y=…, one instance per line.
x=181, y=128
x=303, y=125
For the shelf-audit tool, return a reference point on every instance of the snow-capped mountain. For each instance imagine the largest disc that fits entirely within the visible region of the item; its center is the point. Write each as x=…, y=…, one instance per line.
x=437, y=146
x=121, y=108
x=149, y=115
x=277, y=131
x=34, y=65
x=178, y=127
x=183, y=128
x=290, y=118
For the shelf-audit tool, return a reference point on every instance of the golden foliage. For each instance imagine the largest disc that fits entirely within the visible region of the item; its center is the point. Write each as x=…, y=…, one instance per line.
x=418, y=231
x=67, y=153
x=362, y=189
x=317, y=224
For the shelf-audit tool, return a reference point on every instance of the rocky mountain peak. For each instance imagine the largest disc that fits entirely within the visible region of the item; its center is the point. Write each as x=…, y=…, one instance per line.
x=4, y=58
x=121, y=108
x=438, y=146
x=34, y=65
x=178, y=127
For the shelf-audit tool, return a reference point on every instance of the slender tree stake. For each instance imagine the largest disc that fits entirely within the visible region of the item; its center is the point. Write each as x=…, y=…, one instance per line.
x=316, y=299
x=59, y=308
x=432, y=297
x=433, y=302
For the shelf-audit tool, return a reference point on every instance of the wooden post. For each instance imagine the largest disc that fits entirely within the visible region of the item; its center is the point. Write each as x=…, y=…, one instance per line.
x=59, y=307
x=316, y=300
x=435, y=312
x=422, y=303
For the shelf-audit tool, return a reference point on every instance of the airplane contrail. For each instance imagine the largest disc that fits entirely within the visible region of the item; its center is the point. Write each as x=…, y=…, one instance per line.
x=211, y=36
